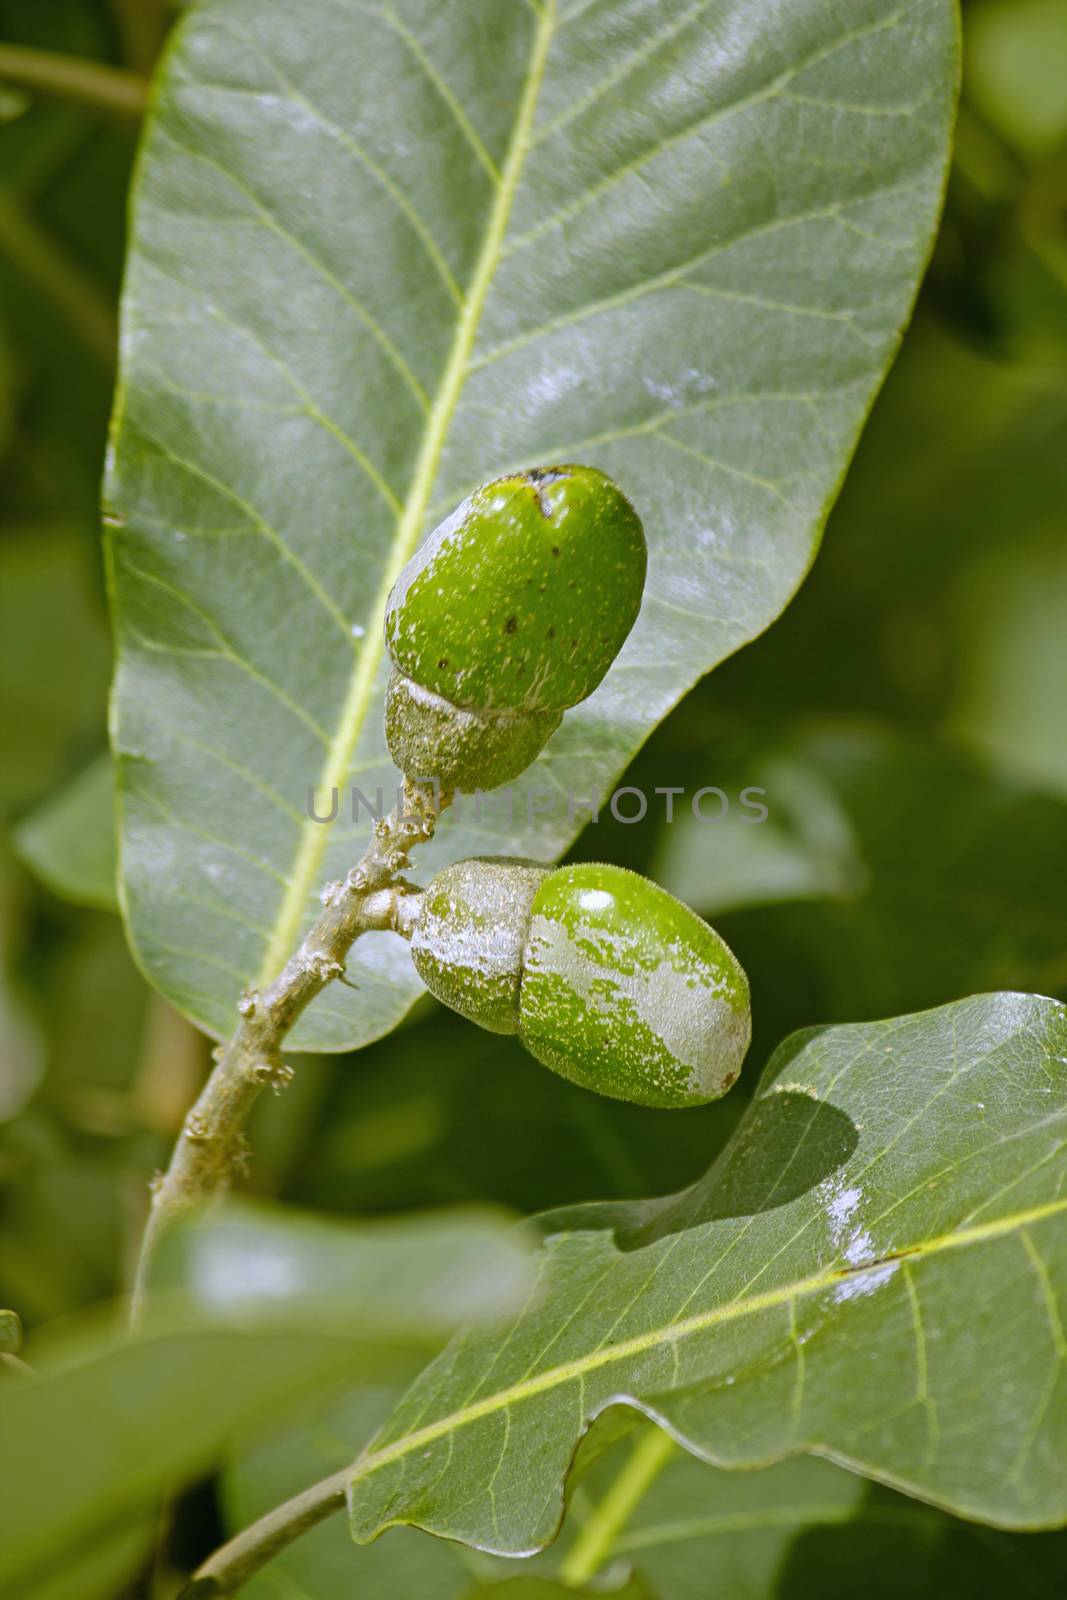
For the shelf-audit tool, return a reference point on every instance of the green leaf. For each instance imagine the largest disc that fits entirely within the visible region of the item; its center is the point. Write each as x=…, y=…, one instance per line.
x=324, y=1562
x=801, y=1527
x=873, y=1270
x=69, y=841
x=408, y=1278
x=804, y=1527
x=381, y=257
x=923, y=875
x=266, y=1313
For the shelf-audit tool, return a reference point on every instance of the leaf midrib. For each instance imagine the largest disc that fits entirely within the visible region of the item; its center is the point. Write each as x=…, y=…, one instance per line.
x=307, y=863
x=554, y=1377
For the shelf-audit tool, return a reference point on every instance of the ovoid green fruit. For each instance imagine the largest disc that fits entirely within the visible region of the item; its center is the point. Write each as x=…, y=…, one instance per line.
x=605, y=977
x=512, y=610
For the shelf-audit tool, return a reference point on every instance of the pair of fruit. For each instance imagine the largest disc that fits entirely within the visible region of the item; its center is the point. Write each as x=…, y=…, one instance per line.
x=511, y=612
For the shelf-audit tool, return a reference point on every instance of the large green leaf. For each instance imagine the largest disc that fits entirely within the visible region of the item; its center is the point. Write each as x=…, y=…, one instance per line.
x=802, y=1527
x=873, y=1271
x=382, y=253
x=261, y=1310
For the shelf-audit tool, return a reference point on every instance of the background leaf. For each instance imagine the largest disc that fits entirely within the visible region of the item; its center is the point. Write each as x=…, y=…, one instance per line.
x=942, y=584
x=840, y=1282
x=261, y=1311
x=806, y=1527
x=69, y=841
x=384, y=255
x=923, y=875
x=413, y=1276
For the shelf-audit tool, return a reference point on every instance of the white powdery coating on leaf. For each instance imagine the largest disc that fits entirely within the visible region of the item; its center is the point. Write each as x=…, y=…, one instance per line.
x=841, y=1205
x=864, y=1283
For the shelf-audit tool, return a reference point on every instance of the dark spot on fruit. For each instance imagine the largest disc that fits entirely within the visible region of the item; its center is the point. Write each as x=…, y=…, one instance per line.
x=538, y=477
x=571, y=584
x=442, y=664
x=541, y=587
x=511, y=624
x=555, y=549
x=551, y=633
x=575, y=643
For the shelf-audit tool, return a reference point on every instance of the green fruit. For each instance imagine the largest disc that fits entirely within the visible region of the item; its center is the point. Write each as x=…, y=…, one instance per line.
x=627, y=991
x=606, y=978
x=428, y=737
x=512, y=610
x=470, y=938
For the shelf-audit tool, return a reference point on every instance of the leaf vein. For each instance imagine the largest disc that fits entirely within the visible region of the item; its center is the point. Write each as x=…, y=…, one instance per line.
x=410, y=523
x=374, y=1460
x=269, y=220
x=768, y=91
x=271, y=533
x=341, y=134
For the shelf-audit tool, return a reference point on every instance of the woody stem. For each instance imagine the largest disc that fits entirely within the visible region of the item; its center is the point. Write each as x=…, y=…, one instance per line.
x=211, y=1146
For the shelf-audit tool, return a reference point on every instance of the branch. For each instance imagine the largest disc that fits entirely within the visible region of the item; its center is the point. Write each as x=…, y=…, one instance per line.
x=89, y=83
x=231, y=1566
x=211, y=1146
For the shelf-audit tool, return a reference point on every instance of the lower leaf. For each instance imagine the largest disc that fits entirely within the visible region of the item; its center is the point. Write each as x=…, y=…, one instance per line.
x=875, y=1271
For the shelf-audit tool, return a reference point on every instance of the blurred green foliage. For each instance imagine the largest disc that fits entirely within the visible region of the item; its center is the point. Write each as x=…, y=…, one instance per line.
x=906, y=717
x=223, y=1346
